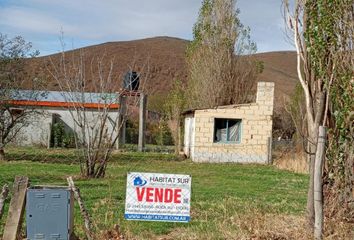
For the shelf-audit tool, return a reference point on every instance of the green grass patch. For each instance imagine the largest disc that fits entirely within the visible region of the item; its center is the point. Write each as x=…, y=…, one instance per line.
x=257, y=186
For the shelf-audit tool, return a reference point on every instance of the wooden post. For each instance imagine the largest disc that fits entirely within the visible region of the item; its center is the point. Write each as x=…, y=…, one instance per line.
x=3, y=196
x=269, y=145
x=142, y=118
x=123, y=132
x=17, y=205
x=84, y=213
x=318, y=191
x=49, y=135
x=121, y=121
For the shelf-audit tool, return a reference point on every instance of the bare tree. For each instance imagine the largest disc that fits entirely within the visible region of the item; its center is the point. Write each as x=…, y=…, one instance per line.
x=218, y=73
x=174, y=106
x=13, y=78
x=294, y=106
x=97, y=130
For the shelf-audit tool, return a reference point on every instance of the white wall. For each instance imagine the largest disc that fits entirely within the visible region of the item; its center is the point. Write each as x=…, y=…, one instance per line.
x=189, y=133
x=38, y=130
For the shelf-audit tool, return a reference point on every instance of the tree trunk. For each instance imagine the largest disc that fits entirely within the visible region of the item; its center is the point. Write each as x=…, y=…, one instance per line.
x=310, y=200
x=2, y=154
x=84, y=213
x=313, y=129
x=179, y=145
x=100, y=171
x=178, y=136
x=318, y=193
x=173, y=124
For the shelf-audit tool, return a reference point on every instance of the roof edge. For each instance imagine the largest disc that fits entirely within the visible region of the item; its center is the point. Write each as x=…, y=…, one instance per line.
x=188, y=111
x=62, y=104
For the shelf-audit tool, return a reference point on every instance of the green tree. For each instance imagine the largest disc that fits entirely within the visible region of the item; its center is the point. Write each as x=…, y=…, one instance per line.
x=324, y=43
x=340, y=155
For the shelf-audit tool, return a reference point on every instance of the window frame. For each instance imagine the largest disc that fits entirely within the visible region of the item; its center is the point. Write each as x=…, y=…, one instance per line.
x=228, y=131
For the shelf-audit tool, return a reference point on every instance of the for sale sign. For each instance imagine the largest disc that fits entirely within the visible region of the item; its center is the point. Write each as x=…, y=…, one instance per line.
x=158, y=197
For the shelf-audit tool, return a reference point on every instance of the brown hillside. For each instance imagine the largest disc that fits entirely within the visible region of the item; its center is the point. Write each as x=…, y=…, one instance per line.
x=159, y=60
x=162, y=59
x=279, y=67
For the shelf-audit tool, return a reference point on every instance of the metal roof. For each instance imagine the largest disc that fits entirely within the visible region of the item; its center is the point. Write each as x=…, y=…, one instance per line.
x=61, y=96
x=64, y=99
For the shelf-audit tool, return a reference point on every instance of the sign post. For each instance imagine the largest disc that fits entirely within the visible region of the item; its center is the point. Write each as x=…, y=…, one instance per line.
x=158, y=197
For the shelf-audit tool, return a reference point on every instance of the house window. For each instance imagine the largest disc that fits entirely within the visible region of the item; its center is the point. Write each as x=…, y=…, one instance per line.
x=227, y=130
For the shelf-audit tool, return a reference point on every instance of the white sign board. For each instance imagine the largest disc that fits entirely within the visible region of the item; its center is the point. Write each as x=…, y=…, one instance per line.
x=158, y=197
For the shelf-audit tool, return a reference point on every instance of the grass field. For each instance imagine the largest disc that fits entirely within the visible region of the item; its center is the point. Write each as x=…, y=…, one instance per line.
x=221, y=193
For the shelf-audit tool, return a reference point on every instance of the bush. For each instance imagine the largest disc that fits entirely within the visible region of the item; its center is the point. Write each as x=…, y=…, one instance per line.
x=60, y=137
x=157, y=133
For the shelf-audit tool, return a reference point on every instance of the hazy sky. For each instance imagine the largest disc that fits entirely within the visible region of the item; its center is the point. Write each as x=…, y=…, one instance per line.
x=87, y=22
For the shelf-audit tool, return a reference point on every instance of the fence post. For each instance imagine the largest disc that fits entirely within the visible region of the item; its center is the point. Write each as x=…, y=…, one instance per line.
x=85, y=215
x=3, y=196
x=16, y=209
x=142, y=119
x=318, y=191
x=49, y=137
x=121, y=121
x=269, y=145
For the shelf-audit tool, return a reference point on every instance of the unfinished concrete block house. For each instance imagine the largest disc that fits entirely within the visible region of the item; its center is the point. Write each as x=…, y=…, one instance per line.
x=53, y=107
x=234, y=133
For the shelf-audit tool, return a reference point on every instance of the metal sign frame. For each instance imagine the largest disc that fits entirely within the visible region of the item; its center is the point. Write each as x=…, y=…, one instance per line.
x=158, y=197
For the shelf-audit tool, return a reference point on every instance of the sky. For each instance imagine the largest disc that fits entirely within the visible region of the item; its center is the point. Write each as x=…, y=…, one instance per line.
x=89, y=22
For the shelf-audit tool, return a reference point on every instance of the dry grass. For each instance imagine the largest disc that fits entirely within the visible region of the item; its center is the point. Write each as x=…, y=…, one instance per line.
x=338, y=222
x=339, y=216
x=253, y=223
x=293, y=160
x=337, y=228
x=246, y=223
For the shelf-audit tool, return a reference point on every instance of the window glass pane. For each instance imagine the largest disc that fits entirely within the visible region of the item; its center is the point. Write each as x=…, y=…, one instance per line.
x=220, y=130
x=221, y=135
x=234, y=131
x=227, y=130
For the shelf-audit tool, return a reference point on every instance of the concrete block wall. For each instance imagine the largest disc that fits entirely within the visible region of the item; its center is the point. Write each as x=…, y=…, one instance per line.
x=256, y=130
x=38, y=130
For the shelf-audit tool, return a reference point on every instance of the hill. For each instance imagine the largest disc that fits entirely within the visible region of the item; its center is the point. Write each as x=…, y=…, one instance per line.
x=279, y=67
x=160, y=60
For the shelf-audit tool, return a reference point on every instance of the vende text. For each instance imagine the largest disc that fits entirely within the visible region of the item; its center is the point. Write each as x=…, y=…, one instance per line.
x=165, y=195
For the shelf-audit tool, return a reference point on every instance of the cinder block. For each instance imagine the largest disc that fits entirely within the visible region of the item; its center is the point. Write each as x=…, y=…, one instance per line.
x=204, y=130
x=249, y=112
x=204, y=120
x=221, y=110
x=206, y=134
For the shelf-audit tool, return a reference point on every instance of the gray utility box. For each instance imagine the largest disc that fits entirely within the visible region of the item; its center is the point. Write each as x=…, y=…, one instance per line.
x=49, y=213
